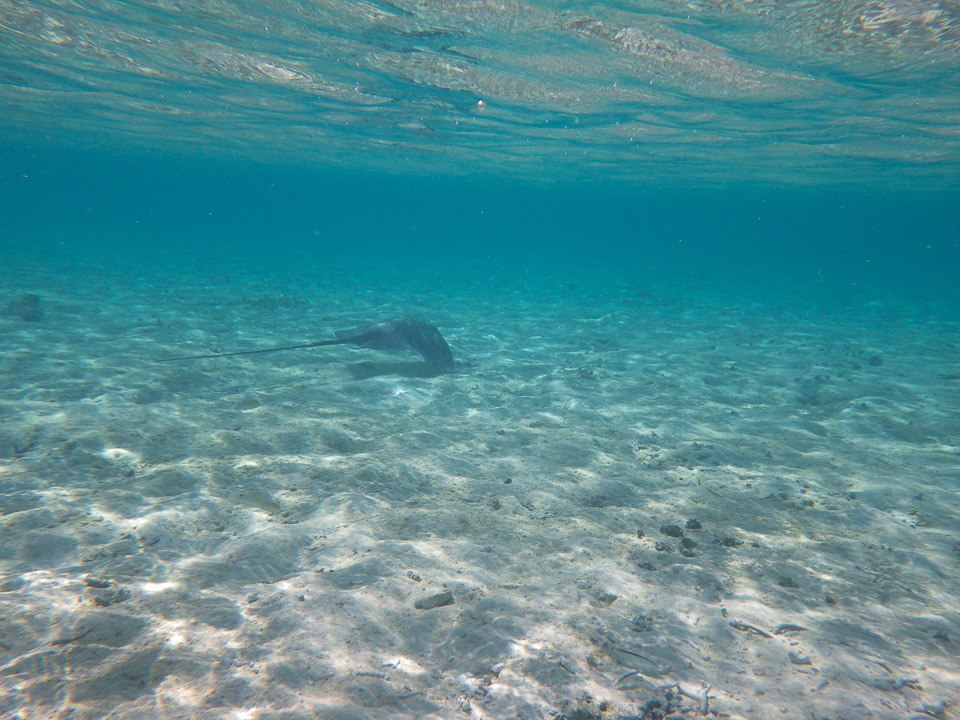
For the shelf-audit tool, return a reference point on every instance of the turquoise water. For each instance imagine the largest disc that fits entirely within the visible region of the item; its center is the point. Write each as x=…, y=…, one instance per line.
x=753, y=137
x=133, y=208
x=697, y=264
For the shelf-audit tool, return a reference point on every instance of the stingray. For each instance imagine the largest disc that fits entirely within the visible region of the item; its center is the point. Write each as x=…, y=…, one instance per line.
x=399, y=333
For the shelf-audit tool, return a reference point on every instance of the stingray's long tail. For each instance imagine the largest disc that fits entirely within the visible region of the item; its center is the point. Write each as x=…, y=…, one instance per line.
x=257, y=352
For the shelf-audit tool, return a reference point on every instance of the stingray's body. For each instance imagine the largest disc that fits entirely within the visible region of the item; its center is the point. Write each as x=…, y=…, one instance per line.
x=399, y=333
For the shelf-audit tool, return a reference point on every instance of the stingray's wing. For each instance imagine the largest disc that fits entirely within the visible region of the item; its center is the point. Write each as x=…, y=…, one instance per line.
x=400, y=333
x=384, y=335
x=427, y=342
x=403, y=333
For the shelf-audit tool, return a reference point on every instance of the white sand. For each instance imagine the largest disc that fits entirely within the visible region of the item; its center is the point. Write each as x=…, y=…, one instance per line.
x=264, y=525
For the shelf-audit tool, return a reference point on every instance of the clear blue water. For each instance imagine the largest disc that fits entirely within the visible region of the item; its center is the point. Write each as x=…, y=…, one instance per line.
x=737, y=136
x=124, y=207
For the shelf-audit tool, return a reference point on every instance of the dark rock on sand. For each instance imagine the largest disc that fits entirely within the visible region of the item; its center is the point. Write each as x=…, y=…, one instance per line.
x=604, y=599
x=434, y=601
x=686, y=547
x=26, y=307
x=729, y=542
x=674, y=531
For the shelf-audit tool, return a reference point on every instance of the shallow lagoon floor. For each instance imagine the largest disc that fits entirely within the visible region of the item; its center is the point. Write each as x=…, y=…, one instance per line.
x=719, y=499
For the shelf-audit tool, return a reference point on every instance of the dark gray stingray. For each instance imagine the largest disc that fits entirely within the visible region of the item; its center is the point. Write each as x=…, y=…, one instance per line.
x=399, y=333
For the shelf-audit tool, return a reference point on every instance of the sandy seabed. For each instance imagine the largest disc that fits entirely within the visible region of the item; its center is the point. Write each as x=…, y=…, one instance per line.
x=637, y=500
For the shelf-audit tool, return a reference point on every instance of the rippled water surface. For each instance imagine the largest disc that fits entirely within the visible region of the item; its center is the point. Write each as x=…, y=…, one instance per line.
x=652, y=91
